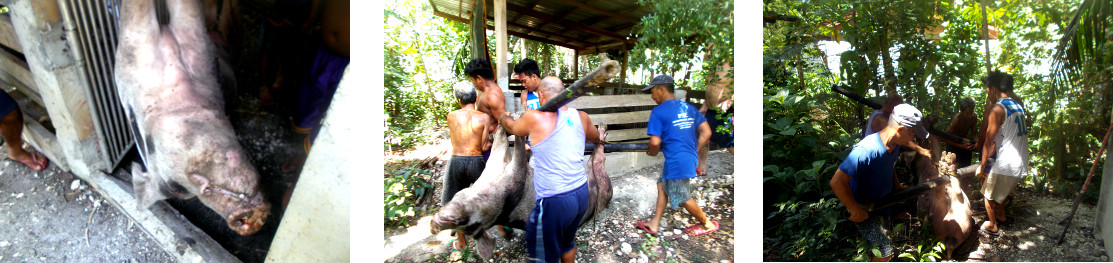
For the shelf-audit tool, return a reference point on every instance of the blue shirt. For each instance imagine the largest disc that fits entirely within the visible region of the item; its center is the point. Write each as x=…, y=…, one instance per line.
x=677, y=123
x=870, y=168
x=532, y=101
x=558, y=160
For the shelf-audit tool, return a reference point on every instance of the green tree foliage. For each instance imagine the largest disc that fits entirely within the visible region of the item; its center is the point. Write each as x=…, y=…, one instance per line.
x=424, y=55
x=679, y=31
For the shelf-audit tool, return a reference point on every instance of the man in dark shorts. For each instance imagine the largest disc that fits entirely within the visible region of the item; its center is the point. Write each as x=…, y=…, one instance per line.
x=868, y=173
x=558, y=174
x=11, y=127
x=467, y=130
x=672, y=129
x=963, y=125
x=491, y=101
x=720, y=138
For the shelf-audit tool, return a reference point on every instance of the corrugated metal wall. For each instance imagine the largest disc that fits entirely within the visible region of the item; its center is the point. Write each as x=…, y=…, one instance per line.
x=97, y=24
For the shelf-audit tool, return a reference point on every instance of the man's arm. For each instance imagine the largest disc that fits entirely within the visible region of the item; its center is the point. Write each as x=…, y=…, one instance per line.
x=840, y=183
x=920, y=150
x=654, y=145
x=704, y=135
x=483, y=120
x=591, y=134
x=993, y=122
x=519, y=127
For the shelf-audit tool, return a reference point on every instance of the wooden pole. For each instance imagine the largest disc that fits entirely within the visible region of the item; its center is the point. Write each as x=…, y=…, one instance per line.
x=500, y=43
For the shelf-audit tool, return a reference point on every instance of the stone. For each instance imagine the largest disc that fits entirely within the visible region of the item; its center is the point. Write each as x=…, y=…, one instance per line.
x=625, y=248
x=75, y=185
x=677, y=231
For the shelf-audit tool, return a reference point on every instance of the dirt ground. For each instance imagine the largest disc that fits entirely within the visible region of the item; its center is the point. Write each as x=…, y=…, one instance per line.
x=613, y=237
x=51, y=216
x=1033, y=229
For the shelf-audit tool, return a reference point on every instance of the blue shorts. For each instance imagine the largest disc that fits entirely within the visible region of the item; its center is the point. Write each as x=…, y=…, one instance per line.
x=551, y=229
x=724, y=140
x=7, y=104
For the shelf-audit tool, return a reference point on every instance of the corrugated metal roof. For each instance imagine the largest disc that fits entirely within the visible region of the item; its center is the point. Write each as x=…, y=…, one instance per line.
x=587, y=26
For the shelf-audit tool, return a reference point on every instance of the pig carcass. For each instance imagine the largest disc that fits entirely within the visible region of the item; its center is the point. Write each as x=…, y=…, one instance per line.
x=947, y=207
x=504, y=194
x=167, y=86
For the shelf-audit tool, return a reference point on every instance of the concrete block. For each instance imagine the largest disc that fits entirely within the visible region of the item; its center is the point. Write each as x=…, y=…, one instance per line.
x=315, y=226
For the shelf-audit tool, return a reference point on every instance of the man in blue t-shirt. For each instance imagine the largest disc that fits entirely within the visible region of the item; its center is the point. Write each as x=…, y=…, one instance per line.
x=867, y=174
x=672, y=129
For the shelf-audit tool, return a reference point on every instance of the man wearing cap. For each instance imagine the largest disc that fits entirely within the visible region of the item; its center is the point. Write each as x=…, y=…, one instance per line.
x=868, y=173
x=672, y=129
x=879, y=118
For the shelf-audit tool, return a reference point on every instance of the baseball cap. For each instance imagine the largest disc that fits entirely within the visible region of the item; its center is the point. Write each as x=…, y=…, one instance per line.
x=658, y=80
x=910, y=117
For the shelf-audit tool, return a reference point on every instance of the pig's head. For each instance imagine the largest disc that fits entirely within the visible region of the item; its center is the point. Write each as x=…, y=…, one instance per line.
x=229, y=184
x=467, y=213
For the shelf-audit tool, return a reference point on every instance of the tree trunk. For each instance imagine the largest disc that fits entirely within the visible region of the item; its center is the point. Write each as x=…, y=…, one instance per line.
x=985, y=26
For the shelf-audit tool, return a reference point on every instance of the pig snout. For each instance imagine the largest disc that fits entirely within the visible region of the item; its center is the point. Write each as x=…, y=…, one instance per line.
x=248, y=221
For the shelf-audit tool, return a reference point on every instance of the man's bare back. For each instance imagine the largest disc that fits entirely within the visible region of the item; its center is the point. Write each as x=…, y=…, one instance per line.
x=468, y=132
x=493, y=104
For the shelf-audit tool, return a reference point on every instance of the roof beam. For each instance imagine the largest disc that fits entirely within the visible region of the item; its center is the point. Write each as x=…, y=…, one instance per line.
x=564, y=14
x=521, y=35
x=566, y=23
x=597, y=10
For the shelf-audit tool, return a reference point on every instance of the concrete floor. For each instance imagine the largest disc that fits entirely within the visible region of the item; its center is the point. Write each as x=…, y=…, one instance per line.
x=52, y=216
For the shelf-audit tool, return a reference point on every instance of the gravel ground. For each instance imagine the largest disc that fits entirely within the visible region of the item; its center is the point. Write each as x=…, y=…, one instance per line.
x=1033, y=228
x=613, y=237
x=51, y=216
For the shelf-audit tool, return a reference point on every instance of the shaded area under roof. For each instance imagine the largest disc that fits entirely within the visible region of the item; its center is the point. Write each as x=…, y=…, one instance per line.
x=588, y=27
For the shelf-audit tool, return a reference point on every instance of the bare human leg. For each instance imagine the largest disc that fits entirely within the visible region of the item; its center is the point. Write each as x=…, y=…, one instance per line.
x=568, y=257
x=694, y=209
x=654, y=224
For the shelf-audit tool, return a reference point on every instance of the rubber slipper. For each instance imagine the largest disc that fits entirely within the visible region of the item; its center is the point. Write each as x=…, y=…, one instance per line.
x=700, y=172
x=697, y=230
x=35, y=164
x=987, y=232
x=646, y=228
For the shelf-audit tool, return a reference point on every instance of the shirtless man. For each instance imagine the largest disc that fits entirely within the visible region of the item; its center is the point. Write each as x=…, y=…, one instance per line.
x=491, y=101
x=467, y=129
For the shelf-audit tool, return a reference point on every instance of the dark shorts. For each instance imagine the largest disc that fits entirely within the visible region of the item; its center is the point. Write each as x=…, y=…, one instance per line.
x=871, y=230
x=7, y=104
x=551, y=229
x=724, y=140
x=462, y=172
x=677, y=190
x=317, y=87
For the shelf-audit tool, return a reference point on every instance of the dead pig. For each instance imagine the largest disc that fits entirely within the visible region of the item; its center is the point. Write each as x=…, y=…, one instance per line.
x=947, y=207
x=167, y=86
x=504, y=194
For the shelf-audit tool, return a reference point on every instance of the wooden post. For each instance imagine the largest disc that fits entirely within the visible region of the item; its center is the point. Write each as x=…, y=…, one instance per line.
x=500, y=43
x=575, y=64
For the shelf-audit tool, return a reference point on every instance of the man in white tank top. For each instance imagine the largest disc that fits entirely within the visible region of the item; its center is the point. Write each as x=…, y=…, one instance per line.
x=1007, y=127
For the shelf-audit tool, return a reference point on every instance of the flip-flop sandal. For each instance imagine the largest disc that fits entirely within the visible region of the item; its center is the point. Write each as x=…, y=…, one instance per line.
x=646, y=228
x=35, y=164
x=989, y=233
x=697, y=230
x=700, y=172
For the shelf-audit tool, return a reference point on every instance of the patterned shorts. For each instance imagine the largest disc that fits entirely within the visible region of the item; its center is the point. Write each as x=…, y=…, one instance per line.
x=677, y=191
x=871, y=230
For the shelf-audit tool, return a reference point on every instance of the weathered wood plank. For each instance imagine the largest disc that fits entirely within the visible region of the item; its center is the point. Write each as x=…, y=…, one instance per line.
x=620, y=118
x=606, y=101
x=7, y=34
x=18, y=70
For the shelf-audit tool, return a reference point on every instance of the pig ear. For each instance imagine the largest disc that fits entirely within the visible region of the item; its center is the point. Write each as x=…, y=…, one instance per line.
x=486, y=245
x=146, y=188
